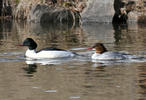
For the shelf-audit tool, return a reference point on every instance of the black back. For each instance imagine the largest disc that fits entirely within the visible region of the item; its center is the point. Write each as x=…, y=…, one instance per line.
x=51, y=49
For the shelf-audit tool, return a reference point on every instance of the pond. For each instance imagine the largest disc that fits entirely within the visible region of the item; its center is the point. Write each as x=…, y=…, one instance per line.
x=76, y=78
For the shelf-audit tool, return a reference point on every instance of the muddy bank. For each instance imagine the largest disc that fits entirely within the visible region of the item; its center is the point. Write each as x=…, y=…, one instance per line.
x=60, y=11
x=49, y=12
x=43, y=11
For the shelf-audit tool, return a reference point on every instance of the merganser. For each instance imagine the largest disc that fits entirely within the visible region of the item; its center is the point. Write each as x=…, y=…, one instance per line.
x=44, y=53
x=103, y=54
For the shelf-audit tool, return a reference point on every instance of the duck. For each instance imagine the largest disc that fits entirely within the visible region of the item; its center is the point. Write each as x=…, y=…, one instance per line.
x=103, y=54
x=44, y=53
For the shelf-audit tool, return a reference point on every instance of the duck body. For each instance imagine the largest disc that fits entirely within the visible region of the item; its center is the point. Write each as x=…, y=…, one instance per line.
x=44, y=53
x=103, y=54
x=110, y=56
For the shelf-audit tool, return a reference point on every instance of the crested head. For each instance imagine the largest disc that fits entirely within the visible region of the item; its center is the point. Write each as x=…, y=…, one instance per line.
x=30, y=43
x=100, y=48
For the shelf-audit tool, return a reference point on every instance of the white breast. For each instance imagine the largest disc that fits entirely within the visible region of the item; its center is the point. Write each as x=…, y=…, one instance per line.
x=48, y=54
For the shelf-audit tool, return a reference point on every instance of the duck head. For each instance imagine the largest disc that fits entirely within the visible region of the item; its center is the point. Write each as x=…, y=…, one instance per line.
x=99, y=47
x=30, y=43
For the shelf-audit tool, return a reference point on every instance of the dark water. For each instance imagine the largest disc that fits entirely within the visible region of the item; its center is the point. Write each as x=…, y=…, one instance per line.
x=72, y=79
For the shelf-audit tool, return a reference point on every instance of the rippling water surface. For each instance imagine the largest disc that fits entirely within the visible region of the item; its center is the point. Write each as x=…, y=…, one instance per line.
x=78, y=78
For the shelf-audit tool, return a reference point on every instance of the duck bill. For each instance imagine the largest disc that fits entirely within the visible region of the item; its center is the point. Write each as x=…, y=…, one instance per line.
x=89, y=48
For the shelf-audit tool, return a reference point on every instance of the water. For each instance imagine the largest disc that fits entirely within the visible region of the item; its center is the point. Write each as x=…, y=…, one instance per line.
x=72, y=79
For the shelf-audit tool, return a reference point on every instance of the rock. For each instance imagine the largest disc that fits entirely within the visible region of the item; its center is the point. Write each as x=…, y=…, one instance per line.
x=138, y=14
x=116, y=11
x=98, y=11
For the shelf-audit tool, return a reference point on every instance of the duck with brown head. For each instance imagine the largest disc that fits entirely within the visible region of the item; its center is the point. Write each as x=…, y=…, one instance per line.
x=99, y=47
x=103, y=54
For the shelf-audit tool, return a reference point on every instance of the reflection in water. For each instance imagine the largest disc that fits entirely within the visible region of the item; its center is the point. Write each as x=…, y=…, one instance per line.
x=52, y=35
x=90, y=86
x=6, y=25
x=98, y=32
x=78, y=78
x=59, y=26
x=30, y=69
x=118, y=31
x=141, y=82
x=5, y=28
x=49, y=61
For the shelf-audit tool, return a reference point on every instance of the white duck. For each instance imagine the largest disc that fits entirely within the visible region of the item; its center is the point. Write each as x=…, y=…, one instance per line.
x=44, y=53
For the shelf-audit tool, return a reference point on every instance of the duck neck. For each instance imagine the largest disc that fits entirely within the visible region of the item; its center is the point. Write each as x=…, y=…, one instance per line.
x=33, y=50
x=30, y=53
x=100, y=52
